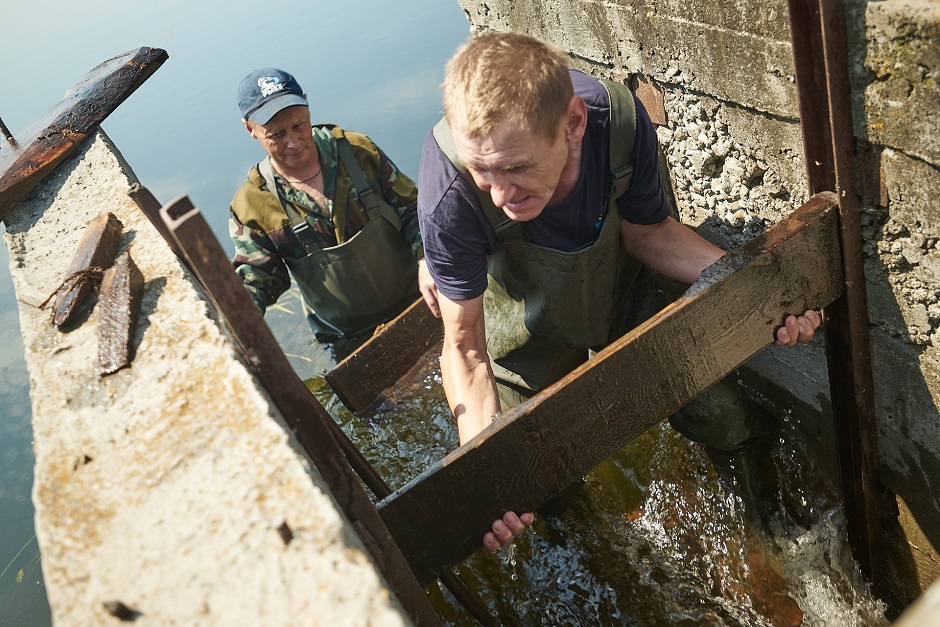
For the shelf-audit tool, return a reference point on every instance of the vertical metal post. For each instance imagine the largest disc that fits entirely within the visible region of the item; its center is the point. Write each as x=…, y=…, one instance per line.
x=817, y=32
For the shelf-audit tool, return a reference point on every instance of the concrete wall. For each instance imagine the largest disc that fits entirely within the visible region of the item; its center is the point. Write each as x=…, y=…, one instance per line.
x=732, y=141
x=166, y=486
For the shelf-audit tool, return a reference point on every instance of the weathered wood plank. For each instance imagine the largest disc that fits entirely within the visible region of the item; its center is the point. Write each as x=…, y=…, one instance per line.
x=556, y=437
x=314, y=428
x=50, y=138
x=95, y=250
x=386, y=357
x=119, y=306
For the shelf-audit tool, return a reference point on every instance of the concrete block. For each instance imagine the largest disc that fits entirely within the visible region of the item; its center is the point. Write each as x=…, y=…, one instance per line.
x=166, y=485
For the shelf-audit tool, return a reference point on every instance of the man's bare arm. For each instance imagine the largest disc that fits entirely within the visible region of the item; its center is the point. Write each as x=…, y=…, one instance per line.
x=675, y=250
x=465, y=367
x=670, y=248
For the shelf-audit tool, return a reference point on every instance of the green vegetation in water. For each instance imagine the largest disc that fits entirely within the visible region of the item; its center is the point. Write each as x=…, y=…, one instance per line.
x=22, y=591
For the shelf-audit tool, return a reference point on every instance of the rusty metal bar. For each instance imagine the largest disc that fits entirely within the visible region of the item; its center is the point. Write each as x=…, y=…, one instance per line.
x=818, y=36
x=247, y=336
x=308, y=420
x=7, y=134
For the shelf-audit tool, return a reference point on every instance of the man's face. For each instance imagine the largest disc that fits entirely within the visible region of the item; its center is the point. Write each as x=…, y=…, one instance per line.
x=519, y=169
x=287, y=138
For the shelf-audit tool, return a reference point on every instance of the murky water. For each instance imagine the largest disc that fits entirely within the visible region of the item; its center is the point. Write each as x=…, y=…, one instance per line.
x=651, y=539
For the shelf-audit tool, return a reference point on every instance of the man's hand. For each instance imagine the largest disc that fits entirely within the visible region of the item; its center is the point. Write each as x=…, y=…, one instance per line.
x=798, y=329
x=428, y=288
x=506, y=530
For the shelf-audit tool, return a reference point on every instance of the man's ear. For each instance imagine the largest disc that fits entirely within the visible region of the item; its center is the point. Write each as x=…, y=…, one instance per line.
x=248, y=127
x=576, y=118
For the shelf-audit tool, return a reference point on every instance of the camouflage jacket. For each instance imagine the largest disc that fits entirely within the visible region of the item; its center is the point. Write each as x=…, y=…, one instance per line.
x=261, y=231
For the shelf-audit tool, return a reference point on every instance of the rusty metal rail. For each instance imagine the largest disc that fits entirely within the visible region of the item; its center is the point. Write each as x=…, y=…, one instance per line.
x=265, y=356
x=307, y=419
x=817, y=30
x=543, y=445
x=50, y=138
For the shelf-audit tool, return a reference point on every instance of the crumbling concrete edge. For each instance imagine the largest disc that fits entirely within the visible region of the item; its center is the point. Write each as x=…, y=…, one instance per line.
x=171, y=486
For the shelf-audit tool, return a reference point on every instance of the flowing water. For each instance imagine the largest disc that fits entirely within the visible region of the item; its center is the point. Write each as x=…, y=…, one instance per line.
x=651, y=539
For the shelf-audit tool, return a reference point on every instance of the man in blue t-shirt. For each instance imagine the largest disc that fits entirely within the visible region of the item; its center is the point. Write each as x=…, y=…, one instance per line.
x=526, y=289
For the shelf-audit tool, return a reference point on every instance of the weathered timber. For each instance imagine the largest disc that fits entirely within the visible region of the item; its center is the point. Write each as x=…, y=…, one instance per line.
x=150, y=207
x=118, y=307
x=312, y=425
x=40, y=147
x=553, y=439
x=817, y=31
x=95, y=251
x=386, y=357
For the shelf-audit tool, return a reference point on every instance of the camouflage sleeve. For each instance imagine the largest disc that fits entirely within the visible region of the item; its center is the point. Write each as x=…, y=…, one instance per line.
x=401, y=193
x=257, y=264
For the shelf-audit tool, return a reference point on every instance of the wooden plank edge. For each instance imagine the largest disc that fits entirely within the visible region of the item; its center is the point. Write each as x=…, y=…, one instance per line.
x=386, y=357
x=35, y=157
x=439, y=518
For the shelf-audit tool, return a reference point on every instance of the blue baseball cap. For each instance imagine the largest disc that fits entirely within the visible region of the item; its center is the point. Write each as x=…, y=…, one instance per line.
x=265, y=92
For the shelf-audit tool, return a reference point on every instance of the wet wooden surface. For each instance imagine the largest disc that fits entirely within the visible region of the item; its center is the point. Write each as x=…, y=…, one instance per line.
x=822, y=77
x=552, y=440
x=314, y=428
x=386, y=357
x=95, y=251
x=50, y=138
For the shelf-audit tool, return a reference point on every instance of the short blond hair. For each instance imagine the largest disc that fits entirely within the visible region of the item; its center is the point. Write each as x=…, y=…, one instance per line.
x=495, y=77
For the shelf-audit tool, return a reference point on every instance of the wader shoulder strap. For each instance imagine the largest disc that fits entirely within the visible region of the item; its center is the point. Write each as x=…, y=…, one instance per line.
x=367, y=195
x=297, y=222
x=497, y=219
x=622, y=137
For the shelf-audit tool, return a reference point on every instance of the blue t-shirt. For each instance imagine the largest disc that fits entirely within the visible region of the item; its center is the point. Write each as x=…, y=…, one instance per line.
x=458, y=237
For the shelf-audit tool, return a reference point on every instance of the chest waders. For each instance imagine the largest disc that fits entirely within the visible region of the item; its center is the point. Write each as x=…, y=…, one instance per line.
x=545, y=308
x=363, y=282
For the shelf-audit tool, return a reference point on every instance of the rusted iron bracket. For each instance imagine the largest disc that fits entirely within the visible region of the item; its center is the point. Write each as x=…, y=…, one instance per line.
x=553, y=439
x=42, y=145
x=308, y=420
x=818, y=36
x=386, y=357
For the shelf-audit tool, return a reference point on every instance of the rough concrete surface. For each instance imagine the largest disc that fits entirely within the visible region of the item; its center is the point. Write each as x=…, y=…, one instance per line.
x=163, y=486
x=733, y=146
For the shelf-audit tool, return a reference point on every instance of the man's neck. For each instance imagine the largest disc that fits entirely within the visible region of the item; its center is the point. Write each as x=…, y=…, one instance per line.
x=569, y=174
x=299, y=173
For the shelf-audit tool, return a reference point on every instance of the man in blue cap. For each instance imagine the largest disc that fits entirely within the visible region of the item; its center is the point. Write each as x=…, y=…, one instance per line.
x=326, y=206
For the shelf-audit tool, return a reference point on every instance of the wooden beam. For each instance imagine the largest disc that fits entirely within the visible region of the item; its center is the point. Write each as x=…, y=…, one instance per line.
x=553, y=439
x=315, y=429
x=42, y=145
x=386, y=357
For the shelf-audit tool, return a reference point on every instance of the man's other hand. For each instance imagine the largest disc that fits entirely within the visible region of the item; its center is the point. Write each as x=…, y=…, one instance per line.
x=798, y=329
x=506, y=530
